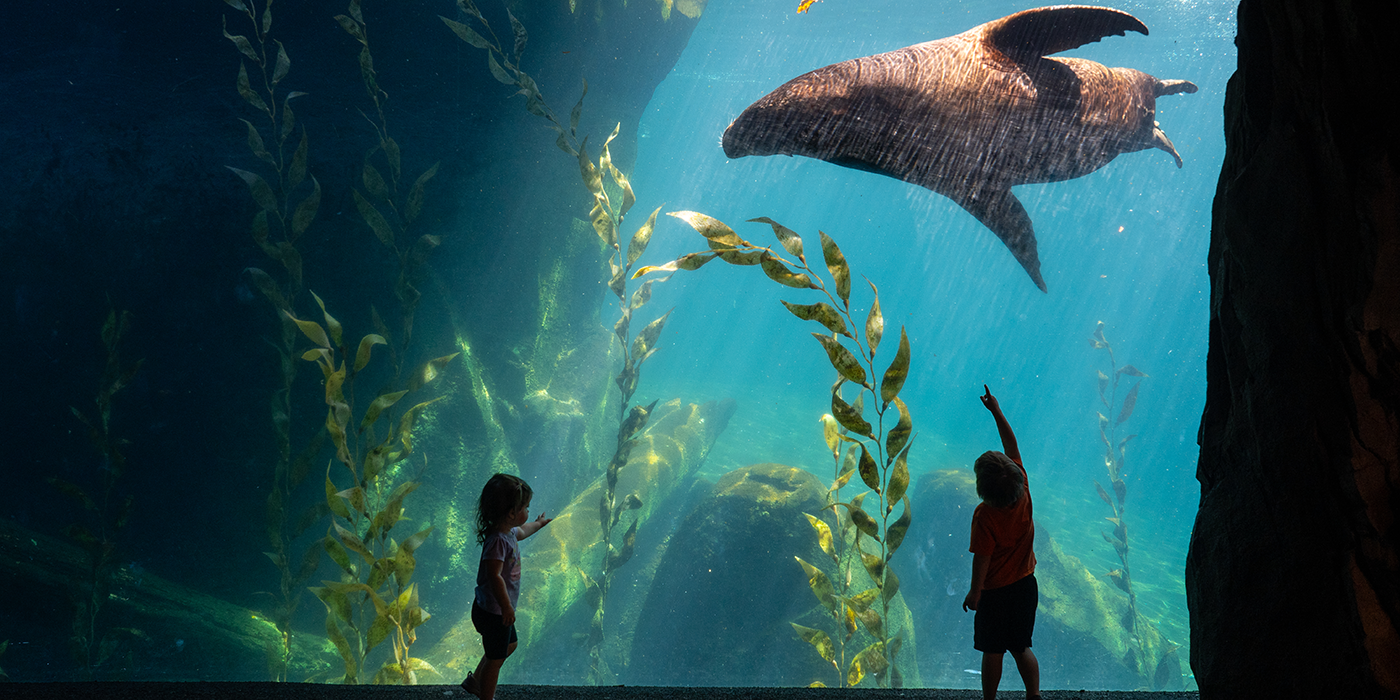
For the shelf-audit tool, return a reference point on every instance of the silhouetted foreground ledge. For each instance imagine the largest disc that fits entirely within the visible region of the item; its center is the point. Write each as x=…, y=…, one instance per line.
x=305, y=691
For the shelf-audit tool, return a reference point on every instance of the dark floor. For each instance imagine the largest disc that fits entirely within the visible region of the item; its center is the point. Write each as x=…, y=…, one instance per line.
x=300, y=691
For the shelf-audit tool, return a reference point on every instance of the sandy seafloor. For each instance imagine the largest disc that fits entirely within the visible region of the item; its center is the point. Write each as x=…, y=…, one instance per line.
x=303, y=691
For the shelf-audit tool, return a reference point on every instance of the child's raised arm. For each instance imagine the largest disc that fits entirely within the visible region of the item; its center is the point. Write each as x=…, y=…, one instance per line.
x=533, y=526
x=1008, y=438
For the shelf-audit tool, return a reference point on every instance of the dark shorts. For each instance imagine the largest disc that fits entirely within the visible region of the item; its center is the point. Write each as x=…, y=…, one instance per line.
x=1006, y=617
x=496, y=638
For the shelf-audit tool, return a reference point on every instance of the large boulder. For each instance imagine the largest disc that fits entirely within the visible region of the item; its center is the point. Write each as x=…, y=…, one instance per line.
x=1293, y=576
x=719, y=608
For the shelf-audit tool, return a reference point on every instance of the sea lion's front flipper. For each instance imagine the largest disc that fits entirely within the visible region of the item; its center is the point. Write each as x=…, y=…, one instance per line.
x=1000, y=211
x=1047, y=30
x=1160, y=141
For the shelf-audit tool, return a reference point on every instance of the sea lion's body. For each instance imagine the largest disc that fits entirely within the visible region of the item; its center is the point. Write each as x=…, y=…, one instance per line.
x=971, y=115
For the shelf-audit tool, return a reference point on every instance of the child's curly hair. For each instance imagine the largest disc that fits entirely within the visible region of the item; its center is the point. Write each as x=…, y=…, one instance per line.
x=501, y=495
x=999, y=482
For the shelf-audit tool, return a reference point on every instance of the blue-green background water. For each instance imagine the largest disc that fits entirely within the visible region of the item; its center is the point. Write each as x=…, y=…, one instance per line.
x=122, y=122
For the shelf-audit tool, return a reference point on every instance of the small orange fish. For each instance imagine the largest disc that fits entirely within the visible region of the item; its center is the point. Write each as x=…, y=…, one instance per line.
x=804, y=6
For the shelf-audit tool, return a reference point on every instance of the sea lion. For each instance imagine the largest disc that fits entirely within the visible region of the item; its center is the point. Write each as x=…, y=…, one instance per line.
x=972, y=115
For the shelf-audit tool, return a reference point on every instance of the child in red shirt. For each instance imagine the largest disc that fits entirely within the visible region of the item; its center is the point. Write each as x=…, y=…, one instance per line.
x=1003, y=591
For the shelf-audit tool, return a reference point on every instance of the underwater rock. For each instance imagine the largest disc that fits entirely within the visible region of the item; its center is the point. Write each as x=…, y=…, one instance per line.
x=719, y=608
x=159, y=628
x=972, y=115
x=1295, y=553
x=557, y=558
x=1081, y=638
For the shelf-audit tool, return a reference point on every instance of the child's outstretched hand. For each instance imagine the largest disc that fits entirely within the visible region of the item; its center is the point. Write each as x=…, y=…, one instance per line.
x=990, y=401
x=534, y=526
x=542, y=521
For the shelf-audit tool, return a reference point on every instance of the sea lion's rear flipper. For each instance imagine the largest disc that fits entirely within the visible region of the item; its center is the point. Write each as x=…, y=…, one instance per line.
x=1047, y=30
x=1000, y=211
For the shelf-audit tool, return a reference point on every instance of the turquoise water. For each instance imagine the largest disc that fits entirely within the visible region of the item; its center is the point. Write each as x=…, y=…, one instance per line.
x=1125, y=245
x=118, y=197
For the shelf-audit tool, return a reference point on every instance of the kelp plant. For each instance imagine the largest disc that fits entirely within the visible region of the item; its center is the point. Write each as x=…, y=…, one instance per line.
x=107, y=510
x=375, y=599
x=606, y=216
x=885, y=473
x=388, y=194
x=1114, y=456
x=286, y=209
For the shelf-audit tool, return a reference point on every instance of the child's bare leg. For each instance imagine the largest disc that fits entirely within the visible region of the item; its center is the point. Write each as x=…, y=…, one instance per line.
x=991, y=675
x=1029, y=669
x=488, y=673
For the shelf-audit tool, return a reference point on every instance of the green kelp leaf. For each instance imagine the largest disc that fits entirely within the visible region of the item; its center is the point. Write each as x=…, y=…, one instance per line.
x=848, y=416
x=1098, y=341
x=376, y=221
x=255, y=144
x=898, y=436
x=820, y=584
x=898, y=479
x=429, y=371
x=351, y=542
x=392, y=511
x=378, y=631
x=382, y=402
x=351, y=27
x=1103, y=494
x=875, y=566
x=465, y=33
x=262, y=193
x=592, y=177
x=497, y=71
x=333, y=499
x=333, y=602
x=289, y=121
x=874, y=322
x=872, y=660
x=604, y=225
x=404, y=562
x=689, y=261
x=635, y=421
x=831, y=432
x=618, y=557
x=734, y=256
x=790, y=241
x=241, y=42
x=898, y=370
x=521, y=36
x=1120, y=580
x=245, y=89
x=869, y=471
x=894, y=533
x=406, y=426
x=711, y=228
x=641, y=238
x=1103, y=428
x=640, y=297
x=339, y=555
x=306, y=212
x=822, y=313
x=311, y=329
x=1129, y=402
x=891, y=587
x=818, y=639
x=366, y=343
x=1131, y=371
x=374, y=182
x=842, y=359
x=576, y=111
x=332, y=325
x=862, y=520
x=284, y=64
x=1103, y=386
x=1120, y=489
x=836, y=264
x=778, y=272
x=823, y=533
x=873, y=622
x=1120, y=529
x=237, y=5
x=864, y=599
x=563, y=141
x=267, y=286
x=646, y=339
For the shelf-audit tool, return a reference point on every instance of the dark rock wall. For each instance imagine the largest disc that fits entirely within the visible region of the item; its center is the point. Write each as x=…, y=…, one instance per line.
x=1293, y=580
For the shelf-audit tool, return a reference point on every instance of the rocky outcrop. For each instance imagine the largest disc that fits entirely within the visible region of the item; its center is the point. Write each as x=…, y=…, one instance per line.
x=1293, y=577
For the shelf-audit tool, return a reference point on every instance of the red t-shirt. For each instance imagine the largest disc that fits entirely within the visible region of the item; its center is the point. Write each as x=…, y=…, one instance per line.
x=1007, y=535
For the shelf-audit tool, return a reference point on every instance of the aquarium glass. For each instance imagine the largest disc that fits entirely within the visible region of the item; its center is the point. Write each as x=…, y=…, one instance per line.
x=290, y=283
